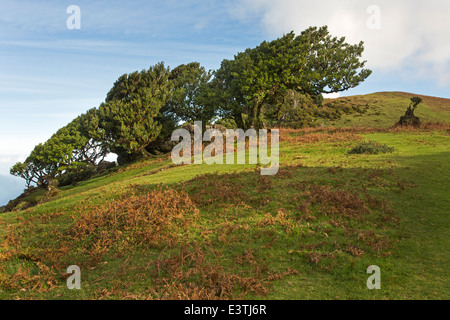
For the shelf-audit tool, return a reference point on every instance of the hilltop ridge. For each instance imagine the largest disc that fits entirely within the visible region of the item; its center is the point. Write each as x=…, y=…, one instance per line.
x=383, y=109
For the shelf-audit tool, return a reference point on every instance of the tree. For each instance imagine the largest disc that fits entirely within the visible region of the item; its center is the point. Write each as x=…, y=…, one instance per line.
x=66, y=150
x=311, y=63
x=291, y=109
x=86, y=129
x=41, y=166
x=409, y=119
x=228, y=89
x=415, y=101
x=128, y=116
x=124, y=124
x=25, y=171
x=190, y=100
x=71, y=154
x=169, y=122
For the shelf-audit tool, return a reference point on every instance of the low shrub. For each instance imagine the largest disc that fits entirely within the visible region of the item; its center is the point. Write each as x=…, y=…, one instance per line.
x=371, y=148
x=77, y=175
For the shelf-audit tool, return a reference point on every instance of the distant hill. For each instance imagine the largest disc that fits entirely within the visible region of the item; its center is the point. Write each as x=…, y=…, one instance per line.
x=383, y=109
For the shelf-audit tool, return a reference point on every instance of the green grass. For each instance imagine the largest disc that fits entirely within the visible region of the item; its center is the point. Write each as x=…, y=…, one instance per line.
x=384, y=109
x=417, y=268
x=309, y=232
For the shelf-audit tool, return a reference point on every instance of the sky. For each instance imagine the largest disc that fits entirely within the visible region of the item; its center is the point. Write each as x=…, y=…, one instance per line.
x=53, y=69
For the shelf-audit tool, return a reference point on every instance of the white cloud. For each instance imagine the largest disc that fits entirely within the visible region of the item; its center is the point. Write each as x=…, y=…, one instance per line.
x=414, y=34
x=331, y=95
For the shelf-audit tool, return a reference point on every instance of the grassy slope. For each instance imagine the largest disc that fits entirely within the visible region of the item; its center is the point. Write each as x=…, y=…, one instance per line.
x=386, y=108
x=416, y=270
x=274, y=237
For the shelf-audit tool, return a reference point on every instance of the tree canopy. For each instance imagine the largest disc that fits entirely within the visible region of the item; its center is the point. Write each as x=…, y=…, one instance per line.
x=190, y=100
x=311, y=63
x=127, y=117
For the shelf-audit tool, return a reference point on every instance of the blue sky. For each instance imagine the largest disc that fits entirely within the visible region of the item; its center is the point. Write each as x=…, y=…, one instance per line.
x=49, y=74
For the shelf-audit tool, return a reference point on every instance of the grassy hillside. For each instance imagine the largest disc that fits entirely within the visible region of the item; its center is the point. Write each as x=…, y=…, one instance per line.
x=383, y=109
x=154, y=230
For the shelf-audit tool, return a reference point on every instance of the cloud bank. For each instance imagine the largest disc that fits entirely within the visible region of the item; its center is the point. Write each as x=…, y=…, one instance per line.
x=412, y=38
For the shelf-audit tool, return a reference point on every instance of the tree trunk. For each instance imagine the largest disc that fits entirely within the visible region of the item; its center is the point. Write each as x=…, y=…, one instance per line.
x=409, y=119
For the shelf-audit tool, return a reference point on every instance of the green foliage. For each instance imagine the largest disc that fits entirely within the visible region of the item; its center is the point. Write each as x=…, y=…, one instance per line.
x=124, y=124
x=227, y=88
x=312, y=63
x=296, y=110
x=371, y=148
x=227, y=123
x=82, y=172
x=87, y=125
x=71, y=148
x=415, y=102
x=169, y=122
x=318, y=100
x=190, y=101
x=128, y=116
x=24, y=171
x=291, y=109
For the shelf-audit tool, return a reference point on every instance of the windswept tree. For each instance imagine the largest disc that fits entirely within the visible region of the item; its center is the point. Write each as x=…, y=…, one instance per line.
x=190, y=100
x=48, y=160
x=169, y=122
x=43, y=164
x=27, y=171
x=229, y=87
x=92, y=150
x=128, y=121
x=410, y=119
x=72, y=148
x=311, y=63
x=290, y=109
